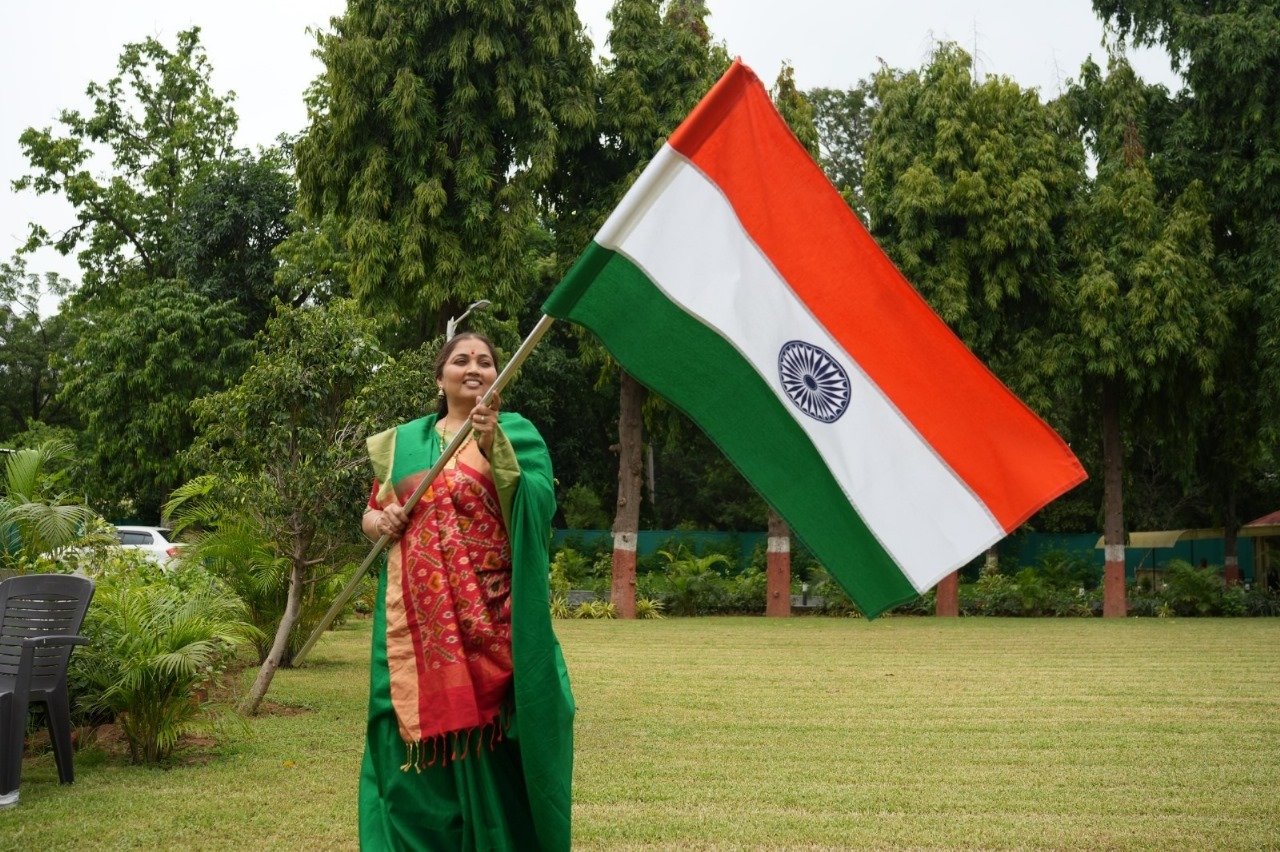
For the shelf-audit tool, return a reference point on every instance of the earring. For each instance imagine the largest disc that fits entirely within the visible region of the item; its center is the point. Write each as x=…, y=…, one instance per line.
x=439, y=393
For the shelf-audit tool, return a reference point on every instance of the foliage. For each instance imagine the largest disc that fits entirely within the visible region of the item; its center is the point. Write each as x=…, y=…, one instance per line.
x=155, y=647
x=400, y=387
x=1194, y=591
x=661, y=62
x=595, y=609
x=1261, y=602
x=691, y=585
x=967, y=185
x=582, y=509
x=648, y=608
x=29, y=343
x=1223, y=131
x=795, y=109
x=569, y=569
x=37, y=518
x=746, y=592
x=558, y=393
x=432, y=130
x=697, y=485
x=1149, y=318
x=312, y=263
x=232, y=218
x=843, y=119
x=136, y=367
x=231, y=542
x=1147, y=305
x=164, y=127
x=146, y=344
x=286, y=447
x=288, y=434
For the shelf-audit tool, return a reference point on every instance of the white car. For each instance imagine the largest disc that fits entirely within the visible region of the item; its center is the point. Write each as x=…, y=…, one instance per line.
x=154, y=541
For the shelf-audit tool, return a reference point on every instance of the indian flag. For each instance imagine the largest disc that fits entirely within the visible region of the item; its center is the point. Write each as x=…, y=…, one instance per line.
x=734, y=281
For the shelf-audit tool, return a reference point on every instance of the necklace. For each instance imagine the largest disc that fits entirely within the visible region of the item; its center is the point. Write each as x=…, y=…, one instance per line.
x=445, y=437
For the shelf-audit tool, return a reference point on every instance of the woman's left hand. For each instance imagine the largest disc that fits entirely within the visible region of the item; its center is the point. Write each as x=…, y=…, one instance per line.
x=484, y=423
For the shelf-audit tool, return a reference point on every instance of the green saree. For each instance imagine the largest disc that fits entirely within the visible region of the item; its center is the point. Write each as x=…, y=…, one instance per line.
x=510, y=791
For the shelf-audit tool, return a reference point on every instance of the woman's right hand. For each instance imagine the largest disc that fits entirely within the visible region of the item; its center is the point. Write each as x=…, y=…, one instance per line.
x=392, y=521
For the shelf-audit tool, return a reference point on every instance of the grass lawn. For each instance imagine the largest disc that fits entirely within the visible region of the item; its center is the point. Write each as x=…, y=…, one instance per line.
x=798, y=733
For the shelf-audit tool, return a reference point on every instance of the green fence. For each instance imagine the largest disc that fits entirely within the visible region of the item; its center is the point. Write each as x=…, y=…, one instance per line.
x=1028, y=547
x=649, y=542
x=1025, y=548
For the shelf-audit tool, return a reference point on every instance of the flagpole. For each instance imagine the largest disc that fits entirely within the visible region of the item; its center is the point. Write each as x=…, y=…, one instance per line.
x=348, y=591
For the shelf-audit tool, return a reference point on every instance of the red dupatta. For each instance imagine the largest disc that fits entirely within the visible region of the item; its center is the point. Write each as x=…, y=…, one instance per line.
x=449, y=617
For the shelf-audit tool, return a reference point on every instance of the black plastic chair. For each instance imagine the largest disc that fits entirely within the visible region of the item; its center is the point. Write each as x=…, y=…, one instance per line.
x=40, y=617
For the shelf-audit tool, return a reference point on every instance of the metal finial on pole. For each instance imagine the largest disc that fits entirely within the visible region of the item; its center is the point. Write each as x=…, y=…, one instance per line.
x=349, y=591
x=451, y=327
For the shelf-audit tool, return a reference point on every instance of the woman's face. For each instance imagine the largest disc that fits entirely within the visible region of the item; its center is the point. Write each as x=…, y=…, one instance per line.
x=467, y=373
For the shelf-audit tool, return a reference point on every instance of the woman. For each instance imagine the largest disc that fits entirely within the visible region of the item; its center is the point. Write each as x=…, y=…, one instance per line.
x=469, y=742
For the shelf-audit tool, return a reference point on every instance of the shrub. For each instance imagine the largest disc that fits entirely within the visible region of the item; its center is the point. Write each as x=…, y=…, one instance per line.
x=991, y=594
x=1234, y=601
x=583, y=509
x=1261, y=602
x=691, y=584
x=1193, y=591
x=746, y=592
x=157, y=644
x=835, y=601
x=569, y=569
x=649, y=608
x=595, y=609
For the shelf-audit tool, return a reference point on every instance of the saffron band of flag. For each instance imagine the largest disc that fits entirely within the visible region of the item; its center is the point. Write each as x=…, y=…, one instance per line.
x=733, y=280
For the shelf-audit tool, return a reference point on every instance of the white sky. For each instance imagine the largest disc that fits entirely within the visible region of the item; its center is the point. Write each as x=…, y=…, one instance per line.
x=261, y=50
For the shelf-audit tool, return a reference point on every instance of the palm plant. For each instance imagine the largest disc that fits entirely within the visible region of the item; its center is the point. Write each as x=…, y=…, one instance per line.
x=37, y=520
x=692, y=583
x=155, y=649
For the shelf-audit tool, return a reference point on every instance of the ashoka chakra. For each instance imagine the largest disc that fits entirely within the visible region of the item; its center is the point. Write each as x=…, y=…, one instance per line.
x=814, y=381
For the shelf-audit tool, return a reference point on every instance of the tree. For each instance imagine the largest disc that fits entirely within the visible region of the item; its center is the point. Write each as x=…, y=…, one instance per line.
x=138, y=362
x=1150, y=316
x=288, y=439
x=164, y=128
x=29, y=381
x=796, y=110
x=662, y=63
x=967, y=184
x=843, y=119
x=148, y=342
x=228, y=226
x=1226, y=135
x=433, y=129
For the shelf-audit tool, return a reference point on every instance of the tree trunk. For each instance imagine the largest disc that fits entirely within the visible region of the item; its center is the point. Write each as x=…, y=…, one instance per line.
x=1113, y=594
x=947, y=596
x=626, y=523
x=1230, y=540
x=778, y=571
x=292, y=609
